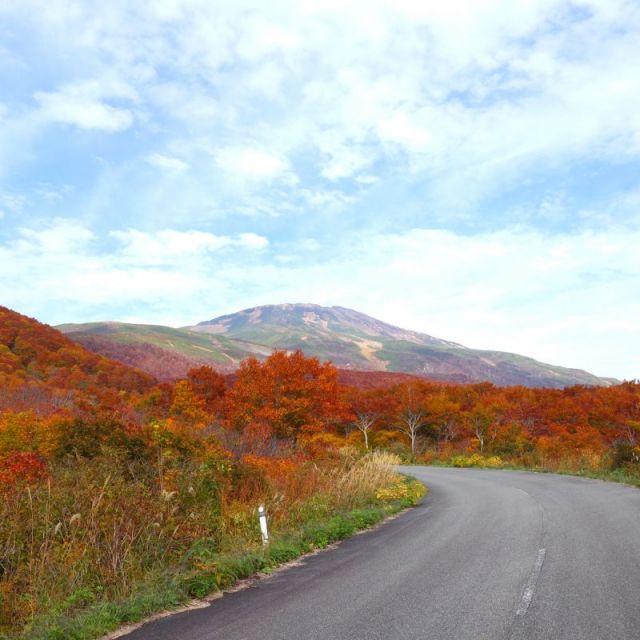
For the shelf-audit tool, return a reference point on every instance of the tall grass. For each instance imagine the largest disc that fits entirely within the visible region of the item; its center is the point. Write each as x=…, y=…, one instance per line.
x=108, y=530
x=91, y=531
x=357, y=481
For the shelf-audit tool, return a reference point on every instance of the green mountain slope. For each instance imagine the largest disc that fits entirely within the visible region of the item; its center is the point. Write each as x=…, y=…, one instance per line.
x=166, y=351
x=350, y=339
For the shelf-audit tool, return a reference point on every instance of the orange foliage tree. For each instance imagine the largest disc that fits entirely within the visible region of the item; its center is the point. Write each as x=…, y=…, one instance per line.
x=288, y=392
x=210, y=387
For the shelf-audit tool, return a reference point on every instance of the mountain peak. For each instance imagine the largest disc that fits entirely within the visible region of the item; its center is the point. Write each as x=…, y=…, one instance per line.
x=309, y=317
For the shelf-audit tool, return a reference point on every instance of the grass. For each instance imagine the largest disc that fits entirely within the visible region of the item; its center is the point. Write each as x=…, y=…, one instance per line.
x=609, y=475
x=568, y=467
x=204, y=571
x=65, y=578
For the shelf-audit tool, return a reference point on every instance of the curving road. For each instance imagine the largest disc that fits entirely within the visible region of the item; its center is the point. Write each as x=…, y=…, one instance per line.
x=488, y=555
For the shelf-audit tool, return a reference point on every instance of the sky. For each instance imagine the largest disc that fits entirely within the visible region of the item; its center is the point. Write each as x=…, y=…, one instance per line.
x=469, y=168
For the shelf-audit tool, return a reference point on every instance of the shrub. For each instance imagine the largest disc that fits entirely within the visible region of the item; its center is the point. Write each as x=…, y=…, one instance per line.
x=406, y=491
x=624, y=453
x=477, y=460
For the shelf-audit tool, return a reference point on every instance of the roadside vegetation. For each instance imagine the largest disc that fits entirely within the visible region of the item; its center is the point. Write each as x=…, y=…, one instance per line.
x=109, y=540
x=586, y=467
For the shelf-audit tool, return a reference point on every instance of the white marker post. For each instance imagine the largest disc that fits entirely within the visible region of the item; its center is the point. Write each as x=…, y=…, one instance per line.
x=263, y=525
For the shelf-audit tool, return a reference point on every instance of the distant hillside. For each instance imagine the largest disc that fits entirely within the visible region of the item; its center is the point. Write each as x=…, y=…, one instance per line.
x=35, y=351
x=43, y=370
x=351, y=340
x=164, y=352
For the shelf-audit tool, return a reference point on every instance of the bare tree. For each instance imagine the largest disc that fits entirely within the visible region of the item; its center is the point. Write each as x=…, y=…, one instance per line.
x=481, y=420
x=363, y=422
x=632, y=432
x=366, y=407
x=410, y=421
x=411, y=400
x=449, y=429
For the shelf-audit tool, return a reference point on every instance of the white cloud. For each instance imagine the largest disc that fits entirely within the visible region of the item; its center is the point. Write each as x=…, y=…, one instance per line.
x=251, y=163
x=167, y=163
x=174, y=248
x=86, y=114
x=343, y=161
x=84, y=104
x=59, y=238
x=13, y=202
x=252, y=241
x=326, y=199
x=399, y=128
x=261, y=38
x=166, y=246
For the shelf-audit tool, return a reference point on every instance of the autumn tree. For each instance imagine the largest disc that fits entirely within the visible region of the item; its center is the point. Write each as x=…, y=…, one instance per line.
x=288, y=392
x=443, y=415
x=187, y=405
x=209, y=386
x=481, y=418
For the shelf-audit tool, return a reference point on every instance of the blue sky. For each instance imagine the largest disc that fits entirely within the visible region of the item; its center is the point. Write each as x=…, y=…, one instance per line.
x=466, y=168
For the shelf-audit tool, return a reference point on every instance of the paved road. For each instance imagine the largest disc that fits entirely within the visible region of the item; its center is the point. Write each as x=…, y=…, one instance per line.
x=489, y=555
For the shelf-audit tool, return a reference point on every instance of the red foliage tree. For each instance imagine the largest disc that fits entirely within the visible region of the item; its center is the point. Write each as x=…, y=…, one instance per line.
x=289, y=392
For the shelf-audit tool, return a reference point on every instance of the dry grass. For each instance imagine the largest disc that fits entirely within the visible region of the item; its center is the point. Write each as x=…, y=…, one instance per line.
x=99, y=528
x=91, y=531
x=360, y=479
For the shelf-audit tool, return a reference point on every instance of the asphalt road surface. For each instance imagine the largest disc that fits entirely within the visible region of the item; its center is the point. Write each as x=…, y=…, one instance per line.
x=488, y=555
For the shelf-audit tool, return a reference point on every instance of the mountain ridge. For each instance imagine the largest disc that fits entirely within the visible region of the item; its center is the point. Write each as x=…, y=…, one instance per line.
x=350, y=339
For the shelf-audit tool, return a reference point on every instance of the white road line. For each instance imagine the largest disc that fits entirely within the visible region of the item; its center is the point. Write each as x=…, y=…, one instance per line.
x=530, y=588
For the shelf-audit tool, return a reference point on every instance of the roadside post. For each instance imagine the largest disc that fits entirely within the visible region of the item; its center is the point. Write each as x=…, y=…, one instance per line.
x=263, y=524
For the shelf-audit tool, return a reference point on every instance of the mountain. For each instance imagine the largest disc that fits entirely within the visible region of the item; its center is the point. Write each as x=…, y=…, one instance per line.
x=350, y=339
x=274, y=322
